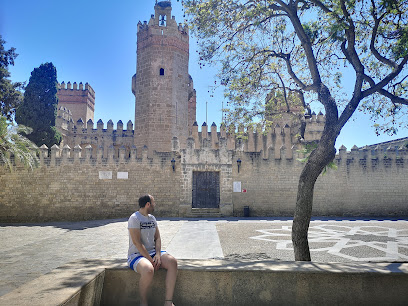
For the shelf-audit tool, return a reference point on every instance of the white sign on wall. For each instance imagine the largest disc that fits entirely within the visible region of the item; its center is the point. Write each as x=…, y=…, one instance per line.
x=105, y=175
x=123, y=175
x=237, y=186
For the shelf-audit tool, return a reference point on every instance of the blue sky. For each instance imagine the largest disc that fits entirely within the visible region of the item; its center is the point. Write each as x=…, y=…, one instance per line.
x=95, y=42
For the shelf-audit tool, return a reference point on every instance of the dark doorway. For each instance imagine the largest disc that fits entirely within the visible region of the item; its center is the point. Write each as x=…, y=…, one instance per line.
x=206, y=189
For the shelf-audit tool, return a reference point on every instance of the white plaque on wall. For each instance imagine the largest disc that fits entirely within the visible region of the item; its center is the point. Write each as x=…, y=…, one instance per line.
x=123, y=175
x=105, y=175
x=237, y=186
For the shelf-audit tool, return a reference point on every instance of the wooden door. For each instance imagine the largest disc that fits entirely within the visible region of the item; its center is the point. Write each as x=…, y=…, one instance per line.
x=206, y=189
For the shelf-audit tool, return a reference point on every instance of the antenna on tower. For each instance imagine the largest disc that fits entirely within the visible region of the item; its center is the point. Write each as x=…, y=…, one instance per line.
x=206, y=102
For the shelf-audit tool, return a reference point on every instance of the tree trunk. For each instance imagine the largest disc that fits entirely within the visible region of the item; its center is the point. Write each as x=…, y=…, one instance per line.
x=319, y=158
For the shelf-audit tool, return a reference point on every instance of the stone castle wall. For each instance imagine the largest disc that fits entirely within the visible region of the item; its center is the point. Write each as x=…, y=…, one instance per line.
x=366, y=183
x=73, y=184
x=81, y=188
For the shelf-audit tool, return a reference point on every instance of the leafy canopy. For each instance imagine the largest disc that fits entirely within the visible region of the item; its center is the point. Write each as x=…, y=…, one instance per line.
x=302, y=47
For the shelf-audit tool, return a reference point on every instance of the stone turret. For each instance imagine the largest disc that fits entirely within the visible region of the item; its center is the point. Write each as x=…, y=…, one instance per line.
x=162, y=85
x=80, y=101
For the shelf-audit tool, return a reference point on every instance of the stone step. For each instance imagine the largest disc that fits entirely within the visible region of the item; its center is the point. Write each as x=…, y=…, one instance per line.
x=204, y=213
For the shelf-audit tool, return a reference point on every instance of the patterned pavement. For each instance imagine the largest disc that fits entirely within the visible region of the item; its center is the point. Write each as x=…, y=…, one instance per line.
x=380, y=243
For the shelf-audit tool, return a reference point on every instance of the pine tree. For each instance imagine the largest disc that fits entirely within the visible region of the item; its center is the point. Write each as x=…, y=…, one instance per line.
x=39, y=107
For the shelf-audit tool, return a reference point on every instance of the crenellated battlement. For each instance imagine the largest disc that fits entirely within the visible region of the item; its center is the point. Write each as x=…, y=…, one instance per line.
x=160, y=26
x=77, y=155
x=75, y=86
x=81, y=127
x=249, y=139
x=356, y=159
x=256, y=139
x=370, y=157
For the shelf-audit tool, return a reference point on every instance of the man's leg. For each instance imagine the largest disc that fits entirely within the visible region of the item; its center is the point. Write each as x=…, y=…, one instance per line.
x=169, y=263
x=146, y=271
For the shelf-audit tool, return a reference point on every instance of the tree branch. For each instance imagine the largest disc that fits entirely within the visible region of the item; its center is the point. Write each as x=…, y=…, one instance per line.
x=284, y=92
x=375, y=52
x=242, y=29
x=394, y=99
x=379, y=86
x=306, y=44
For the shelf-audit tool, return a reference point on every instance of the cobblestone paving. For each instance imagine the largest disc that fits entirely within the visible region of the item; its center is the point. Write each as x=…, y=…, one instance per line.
x=30, y=250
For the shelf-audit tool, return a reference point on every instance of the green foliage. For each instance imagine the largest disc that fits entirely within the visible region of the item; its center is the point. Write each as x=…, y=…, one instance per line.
x=400, y=49
x=307, y=149
x=39, y=107
x=264, y=46
x=13, y=143
x=10, y=95
x=312, y=30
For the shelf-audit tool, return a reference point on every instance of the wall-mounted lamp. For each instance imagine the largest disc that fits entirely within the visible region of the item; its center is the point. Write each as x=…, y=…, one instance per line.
x=239, y=163
x=173, y=164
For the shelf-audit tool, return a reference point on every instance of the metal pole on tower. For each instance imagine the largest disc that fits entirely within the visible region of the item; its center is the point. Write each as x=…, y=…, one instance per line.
x=222, y=111
x=206, y=111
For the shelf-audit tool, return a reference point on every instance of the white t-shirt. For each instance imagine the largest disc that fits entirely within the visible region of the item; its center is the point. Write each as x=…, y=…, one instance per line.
x=147, y=226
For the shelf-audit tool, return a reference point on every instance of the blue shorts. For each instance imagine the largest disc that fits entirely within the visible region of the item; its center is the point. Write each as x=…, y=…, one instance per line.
x=135, y=261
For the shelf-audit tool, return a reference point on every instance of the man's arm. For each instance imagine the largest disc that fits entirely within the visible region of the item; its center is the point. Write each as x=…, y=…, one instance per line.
x=157, y=257
x=137, y=241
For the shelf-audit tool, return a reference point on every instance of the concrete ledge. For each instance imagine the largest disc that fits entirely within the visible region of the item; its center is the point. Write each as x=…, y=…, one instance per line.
x=76, y=283
x=220, y=282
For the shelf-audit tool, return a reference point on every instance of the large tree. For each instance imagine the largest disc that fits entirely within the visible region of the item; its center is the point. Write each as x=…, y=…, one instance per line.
x=10, y=95
x=302, y=47
x=39, y=107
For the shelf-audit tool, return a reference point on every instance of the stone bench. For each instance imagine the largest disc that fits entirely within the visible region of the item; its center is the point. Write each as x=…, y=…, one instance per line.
x=221, y=282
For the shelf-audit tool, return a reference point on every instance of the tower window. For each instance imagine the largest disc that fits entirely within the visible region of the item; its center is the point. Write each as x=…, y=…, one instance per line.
x=162, y=20
x=161, y=71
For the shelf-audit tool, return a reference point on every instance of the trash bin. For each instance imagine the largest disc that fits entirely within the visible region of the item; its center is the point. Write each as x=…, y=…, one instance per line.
x=246, y=211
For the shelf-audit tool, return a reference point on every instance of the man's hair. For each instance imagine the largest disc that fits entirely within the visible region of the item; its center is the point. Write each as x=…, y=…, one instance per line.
x=143, y=200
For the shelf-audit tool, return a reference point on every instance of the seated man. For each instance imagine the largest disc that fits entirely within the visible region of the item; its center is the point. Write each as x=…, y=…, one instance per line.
x=145, y=255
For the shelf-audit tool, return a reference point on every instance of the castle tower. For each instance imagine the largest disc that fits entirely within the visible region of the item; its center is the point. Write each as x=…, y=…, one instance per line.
x=79, y=100
x=162, y=85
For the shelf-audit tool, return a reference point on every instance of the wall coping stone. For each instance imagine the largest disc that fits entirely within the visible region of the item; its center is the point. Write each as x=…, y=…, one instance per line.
x=80, y=282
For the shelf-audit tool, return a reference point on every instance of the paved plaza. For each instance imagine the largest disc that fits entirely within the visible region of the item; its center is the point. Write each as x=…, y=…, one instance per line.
x=30, y=250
